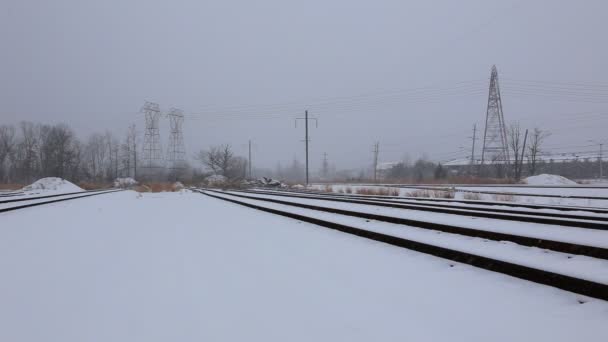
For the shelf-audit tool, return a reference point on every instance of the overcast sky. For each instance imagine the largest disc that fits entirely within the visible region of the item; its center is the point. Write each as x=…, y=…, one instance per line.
x=412, y=75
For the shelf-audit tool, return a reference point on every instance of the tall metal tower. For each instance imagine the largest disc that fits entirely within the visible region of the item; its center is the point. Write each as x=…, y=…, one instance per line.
x=152, y=153
x=176, y=152
x=495, y=148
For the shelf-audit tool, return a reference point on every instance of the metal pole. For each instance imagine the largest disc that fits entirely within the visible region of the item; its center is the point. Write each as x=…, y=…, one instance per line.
x=306, y=139
x=473, y=149
x=601, y=173
x=250, y=159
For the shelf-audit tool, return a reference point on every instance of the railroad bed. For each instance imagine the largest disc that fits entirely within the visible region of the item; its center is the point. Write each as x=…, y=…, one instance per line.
x=25, y=201
x=570, y=253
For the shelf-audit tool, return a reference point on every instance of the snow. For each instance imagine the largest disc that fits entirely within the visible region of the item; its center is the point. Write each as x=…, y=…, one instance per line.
x=580, y=190
x=177, y=186
x=52, y=184
x=546, y=179
x=125, y=183
x=215, y=180
x=578, y=266
x=186, y=267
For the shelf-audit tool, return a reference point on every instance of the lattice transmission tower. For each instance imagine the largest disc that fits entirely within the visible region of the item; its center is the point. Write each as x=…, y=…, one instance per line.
x=152, y=150
x=176, y=152
x=495, y=148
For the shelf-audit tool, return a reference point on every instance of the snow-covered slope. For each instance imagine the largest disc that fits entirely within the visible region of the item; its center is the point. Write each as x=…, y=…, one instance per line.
x=52, y=184
x=546, y=179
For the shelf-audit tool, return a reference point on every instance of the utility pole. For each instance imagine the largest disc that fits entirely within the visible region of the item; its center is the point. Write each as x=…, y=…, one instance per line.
x=250, y=177
x=473, y=149
x=521, y=159
x=376, y=152
x=325, y=169
x=306, y=139
x=601, y=143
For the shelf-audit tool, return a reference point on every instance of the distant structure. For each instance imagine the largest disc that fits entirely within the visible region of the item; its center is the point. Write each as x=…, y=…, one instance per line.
x=176, y=151
x=152, y=153
x=495, y=148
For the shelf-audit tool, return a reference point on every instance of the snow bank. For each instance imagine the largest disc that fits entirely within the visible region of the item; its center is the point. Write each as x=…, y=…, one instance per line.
x=298, y=186
x=546, y=179
x=124, y=183
x=52, y=184
x=177, y=186
x=215, y=180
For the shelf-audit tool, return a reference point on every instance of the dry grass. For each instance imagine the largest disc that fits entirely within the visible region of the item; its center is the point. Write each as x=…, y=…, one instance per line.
x=155, y=187
x=11, y=186
x=348, y=190
x=328, y=188
x=504, y=198
x=376, y=191
x=94, y=186
x=432, y=193
x=472, y=196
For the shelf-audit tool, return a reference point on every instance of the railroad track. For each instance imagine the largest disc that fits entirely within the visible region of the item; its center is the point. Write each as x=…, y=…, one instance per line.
x=568, y=220
x=454, y=189
x=56, y=198
x=568, y=279
x=450, y=200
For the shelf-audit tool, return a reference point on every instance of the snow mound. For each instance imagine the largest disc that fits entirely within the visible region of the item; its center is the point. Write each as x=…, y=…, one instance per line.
x=52, y=184
x=124, y=183
x=215, y=180
x=177, y=186
x=546, y=179
x=298, y=186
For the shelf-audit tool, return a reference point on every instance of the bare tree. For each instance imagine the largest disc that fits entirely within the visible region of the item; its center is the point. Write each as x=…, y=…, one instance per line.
x=534, y=148
x=219, y=159
x=7, y=144
x=515, y=145
x=28, y=148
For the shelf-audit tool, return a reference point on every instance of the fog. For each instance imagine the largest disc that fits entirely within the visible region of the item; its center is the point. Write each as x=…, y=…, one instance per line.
x=412, y=75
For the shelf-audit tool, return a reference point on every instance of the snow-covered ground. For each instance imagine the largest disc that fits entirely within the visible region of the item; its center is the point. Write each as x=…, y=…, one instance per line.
x=577, y=191
x=185, y=267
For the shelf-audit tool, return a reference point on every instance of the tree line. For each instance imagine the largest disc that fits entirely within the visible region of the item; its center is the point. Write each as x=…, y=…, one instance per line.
x=29, y=151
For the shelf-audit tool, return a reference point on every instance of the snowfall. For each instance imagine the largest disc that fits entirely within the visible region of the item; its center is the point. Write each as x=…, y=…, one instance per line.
x=181, y=266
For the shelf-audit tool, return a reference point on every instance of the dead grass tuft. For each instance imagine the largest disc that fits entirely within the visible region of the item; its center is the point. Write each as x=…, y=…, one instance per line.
x=11, y=186
x=472, y=196
x=376, y=191
x=432, y=193
x=94, y=186
x=504, y=198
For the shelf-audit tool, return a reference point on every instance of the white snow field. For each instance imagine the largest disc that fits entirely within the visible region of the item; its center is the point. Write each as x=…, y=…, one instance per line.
x=186, y=267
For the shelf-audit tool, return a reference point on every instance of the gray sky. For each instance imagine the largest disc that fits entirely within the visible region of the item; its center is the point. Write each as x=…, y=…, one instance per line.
x=410, y=74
